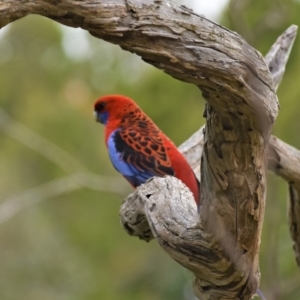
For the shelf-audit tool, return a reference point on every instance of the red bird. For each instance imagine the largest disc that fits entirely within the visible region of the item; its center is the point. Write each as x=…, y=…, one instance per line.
x=137, y=147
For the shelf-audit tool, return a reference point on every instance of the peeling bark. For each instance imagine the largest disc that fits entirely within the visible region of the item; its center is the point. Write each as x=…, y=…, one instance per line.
x=221, y=247
x=283, y=159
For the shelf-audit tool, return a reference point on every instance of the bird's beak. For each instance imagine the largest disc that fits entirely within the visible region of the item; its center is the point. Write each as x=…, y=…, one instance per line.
x=96, y=116
x=101, y=117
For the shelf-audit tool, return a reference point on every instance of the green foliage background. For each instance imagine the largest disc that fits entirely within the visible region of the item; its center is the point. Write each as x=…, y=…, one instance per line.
x=71, y=246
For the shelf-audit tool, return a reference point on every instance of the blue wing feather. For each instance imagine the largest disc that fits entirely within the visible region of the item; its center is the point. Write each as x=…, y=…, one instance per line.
x=136, y=176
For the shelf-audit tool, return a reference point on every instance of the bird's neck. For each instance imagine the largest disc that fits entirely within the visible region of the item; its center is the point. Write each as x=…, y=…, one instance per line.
x=110, y=127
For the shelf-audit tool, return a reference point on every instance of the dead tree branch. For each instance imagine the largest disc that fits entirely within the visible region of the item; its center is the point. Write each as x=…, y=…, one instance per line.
x=283, y=159
x=221, y=248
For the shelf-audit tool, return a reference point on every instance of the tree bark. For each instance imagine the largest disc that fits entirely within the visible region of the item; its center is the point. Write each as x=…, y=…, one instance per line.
x=283, y=159
x=221, y=246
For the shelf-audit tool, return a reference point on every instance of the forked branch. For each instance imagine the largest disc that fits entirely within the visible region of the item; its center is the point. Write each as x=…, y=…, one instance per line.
x=283, y=159
x=221, y=248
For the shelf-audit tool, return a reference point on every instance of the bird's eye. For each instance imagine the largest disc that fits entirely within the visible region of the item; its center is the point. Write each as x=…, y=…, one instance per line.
x=99, y=106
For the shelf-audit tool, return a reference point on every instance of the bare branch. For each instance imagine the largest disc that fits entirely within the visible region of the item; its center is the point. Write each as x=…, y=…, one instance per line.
x=279, y=54
x=241, y=109
x=242, y=106
x=192, y=150
x=283, y=159
x=174, y=222
x=204, y=53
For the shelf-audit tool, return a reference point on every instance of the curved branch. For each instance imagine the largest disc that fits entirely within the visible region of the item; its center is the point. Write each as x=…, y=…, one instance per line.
x=146, y=214
x=164, y=209
x=204, y=53
x=221, y=250
x=283, y=159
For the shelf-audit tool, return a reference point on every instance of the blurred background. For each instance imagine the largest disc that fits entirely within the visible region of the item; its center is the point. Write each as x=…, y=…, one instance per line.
x=60, y=236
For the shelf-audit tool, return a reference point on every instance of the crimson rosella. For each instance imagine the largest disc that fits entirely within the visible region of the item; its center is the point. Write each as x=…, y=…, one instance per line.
x=137, y=147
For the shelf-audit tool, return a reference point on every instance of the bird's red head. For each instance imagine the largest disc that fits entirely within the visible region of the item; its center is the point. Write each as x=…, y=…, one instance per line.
x=114, y=111
x=112, y=107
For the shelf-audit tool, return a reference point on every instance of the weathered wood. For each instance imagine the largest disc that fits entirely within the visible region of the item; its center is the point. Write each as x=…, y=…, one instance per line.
x=279, y=54
x=242, y=108
x=285, y=162
x=222, y=248
x=203, y=52
x=171, y=214
x=192, y=150
x=283, y=159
